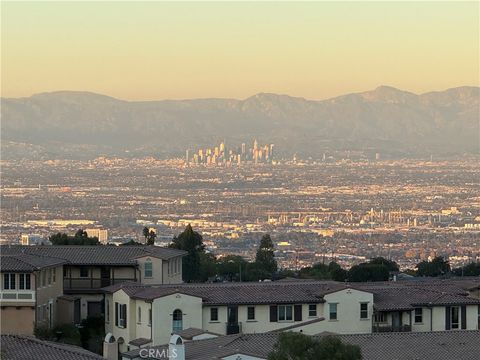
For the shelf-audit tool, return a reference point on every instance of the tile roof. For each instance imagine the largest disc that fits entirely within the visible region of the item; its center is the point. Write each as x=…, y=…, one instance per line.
x=387, y=296
x=93, y=255
x=140, y=341
x=190, y=333
x=408, y=295
x=443, y=345
x=17, y=347
x=237, y=293
x=27, y=262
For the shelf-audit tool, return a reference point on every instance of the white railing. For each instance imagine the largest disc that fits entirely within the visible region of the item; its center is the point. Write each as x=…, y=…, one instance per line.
x=17, y=296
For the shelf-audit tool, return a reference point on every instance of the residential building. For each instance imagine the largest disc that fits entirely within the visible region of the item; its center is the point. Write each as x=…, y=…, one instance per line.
x=30, y=288
x=87, y=269
x=153, y=313
x=137, y=311
x=100, y=234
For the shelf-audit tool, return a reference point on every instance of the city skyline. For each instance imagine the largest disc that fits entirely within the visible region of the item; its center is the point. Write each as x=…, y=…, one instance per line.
x=147, y=51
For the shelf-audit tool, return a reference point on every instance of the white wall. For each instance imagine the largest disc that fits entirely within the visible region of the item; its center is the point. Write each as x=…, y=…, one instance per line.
x=348, y=312
x=163, y=308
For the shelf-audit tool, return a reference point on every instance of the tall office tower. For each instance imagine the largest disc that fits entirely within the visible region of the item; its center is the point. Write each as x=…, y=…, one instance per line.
x=222, y=147
x=239, y=159
x=217, y=152
x=187, y=157
x=243, y=148
x=255, y=145
x=195, y=158
x=271, y=151
x=377, y=156
x=324, y=157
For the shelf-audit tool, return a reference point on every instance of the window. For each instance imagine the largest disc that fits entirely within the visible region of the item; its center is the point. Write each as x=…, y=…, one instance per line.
x=381, y=317
x=9, y=281
x=179, y=265
x=49, y=276
x=251, y=313
x=148, y=269
x=120, y=315
x=83, y=271
x=364, y=311
x=24, y=282
x=285, y=313
x=139, y=320
x=149, y=317
x=54, y=274
x=455, y=316
x=312, y=310
x=107, y=311
x=333, y=311
x=177, y=323
x=418, y=315
x=213, y=314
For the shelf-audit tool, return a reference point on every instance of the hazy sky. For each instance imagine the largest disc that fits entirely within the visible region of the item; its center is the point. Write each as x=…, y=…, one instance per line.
x=157, y=50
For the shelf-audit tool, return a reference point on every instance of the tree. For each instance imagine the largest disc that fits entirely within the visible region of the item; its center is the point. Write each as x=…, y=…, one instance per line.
x=80, y=238
x=192, y=242
x=265, y=263
x=438, y=266
x=368, y=272
x=231, y=268
x=390, y=264
x=131, y=242
x=149, y=235
x=472, y=269
x=296, y=346
x=337, y=272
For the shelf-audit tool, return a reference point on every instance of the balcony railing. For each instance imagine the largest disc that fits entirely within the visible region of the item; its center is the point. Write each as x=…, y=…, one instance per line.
x=390, y=328
x=87, y=283
x=18, y=296
x=234, y=328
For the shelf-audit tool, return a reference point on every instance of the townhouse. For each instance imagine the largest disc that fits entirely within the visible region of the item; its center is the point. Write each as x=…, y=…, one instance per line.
x=30, y=287
x=139, y=315
x=64, y=283
x=152, y=313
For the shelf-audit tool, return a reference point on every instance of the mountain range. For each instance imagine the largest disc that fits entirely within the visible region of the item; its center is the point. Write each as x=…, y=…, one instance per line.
x=388, y=120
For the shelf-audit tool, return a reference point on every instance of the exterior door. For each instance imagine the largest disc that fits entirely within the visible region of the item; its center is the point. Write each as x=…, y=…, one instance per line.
x=232, y=320
x=94, y=308
x=396, y=321
x=76, y=311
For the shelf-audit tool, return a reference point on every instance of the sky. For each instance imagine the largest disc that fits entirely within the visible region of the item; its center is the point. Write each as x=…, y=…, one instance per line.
x=176, y=50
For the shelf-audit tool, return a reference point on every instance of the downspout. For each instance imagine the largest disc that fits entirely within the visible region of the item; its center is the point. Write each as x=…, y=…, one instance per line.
x=36, y=299
x=431, y=316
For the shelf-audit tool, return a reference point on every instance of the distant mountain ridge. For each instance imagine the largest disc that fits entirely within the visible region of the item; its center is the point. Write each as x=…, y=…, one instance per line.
x=384, y=119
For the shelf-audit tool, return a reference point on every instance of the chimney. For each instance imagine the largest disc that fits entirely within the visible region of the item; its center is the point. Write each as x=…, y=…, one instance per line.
x=176, y=348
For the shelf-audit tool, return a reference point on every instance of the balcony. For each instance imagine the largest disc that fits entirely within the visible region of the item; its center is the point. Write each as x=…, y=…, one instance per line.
x=390, y=328
x=20, y=297
x=89, y=285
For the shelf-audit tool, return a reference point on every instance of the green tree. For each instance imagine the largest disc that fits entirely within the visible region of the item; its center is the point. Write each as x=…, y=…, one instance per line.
x=472, y=269
x=337, y=272
x=390, y=264
x=437, y=267
x=146, y=232
x=296, y=346
x=192, y=242
x=368, y=272
x=232, y=268
x=265, y=263
x=80, y=238
x=208, y=266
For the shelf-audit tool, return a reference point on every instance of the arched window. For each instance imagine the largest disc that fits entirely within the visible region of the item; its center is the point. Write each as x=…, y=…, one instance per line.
x=177, y=324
